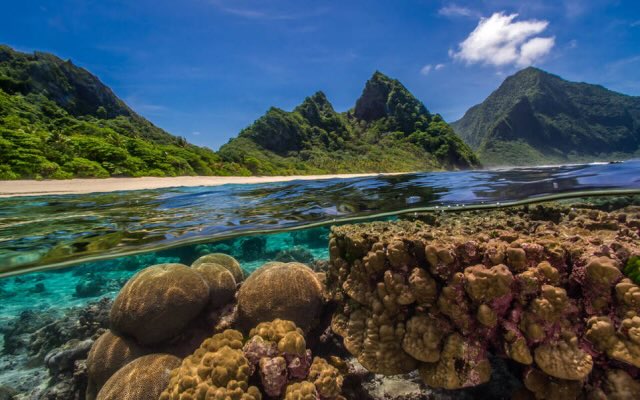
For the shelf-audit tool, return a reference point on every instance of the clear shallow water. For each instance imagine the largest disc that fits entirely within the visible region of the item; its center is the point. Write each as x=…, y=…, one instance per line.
x=47, y=231
x=180, y=225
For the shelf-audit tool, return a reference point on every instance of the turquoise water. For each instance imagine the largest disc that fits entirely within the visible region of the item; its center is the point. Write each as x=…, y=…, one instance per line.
x=41, y=232
x=61, y=252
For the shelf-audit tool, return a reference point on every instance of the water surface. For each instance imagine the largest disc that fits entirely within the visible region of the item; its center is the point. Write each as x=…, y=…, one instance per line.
x=49, y=231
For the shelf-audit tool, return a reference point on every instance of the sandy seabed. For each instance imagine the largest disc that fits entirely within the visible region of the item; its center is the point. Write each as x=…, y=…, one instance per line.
x=78, y=186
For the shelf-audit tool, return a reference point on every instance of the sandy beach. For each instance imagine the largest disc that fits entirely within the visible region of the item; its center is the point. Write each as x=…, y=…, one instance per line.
x=77, y=186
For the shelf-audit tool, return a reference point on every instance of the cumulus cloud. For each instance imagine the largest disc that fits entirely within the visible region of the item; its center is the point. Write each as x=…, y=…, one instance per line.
x=500, y=40
x=453, y=10
x=438, y=67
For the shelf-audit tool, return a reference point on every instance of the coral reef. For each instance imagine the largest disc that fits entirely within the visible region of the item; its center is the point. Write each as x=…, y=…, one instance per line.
x=289, y=291
x=274, y=354
x=226, y=261
x=108, y=354
x=158, y=302
x=543, y=290
x=142, y=379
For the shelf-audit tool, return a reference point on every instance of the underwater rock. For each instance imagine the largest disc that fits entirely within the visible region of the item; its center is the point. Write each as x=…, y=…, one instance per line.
x=63, y=358
x=91, y=286
x=16, y=332
x=226, y=261
x=77, y=323
x=70, y=385
x=158, y=302
x=289, y=291
x=315, y=238
x=294, y=254
x=543, y=290
x=7, y=393
x=143, y=379
x=275, y=352
x=253, y=248
x=38, y=288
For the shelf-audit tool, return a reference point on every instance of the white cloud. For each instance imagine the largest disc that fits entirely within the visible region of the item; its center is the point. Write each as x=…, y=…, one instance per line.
x=196, y=133
x=573, y=44
x=453, y=10
x=635, y=23
x=535, y=49
x=500, y=41
x=429, y=67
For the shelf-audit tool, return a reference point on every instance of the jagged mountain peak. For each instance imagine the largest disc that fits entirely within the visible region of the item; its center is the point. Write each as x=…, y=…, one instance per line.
x=383, y=96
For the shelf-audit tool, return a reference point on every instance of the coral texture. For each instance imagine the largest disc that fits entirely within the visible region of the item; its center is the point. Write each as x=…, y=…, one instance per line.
x=439, y=297
x=222, y=284
x=274, y=354
x=108, y=354
x=225, y=260
x=142, y=379
x=158, y=302
x=289, y=291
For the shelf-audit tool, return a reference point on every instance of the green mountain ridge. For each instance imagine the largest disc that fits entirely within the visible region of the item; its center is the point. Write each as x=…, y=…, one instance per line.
x=58, y=121
x=536, y=117
x=388, y=130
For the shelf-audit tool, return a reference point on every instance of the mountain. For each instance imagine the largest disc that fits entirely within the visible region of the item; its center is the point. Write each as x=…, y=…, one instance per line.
x=387, y=130
x=535, y=117
x=58, y=120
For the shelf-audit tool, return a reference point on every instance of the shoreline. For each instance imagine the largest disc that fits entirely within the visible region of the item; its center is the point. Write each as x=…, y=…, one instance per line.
x=20, y=188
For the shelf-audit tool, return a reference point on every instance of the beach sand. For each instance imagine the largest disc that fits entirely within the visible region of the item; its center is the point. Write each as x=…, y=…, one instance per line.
x=77, y=186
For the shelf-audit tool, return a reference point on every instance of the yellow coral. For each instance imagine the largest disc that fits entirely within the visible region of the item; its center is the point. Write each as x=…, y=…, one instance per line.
x=485, y=284
x=462, y=364
x=564, y=359
x=545, y=387
x=619, y=385
x=423, y=287
x=617, y=345
x=217, y=370
x=292, y=343
x=274, y=330
x=301, y=391
x=423, y=338
x=326, y=378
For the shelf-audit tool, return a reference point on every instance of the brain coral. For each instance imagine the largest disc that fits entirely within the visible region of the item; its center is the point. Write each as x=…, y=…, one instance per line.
x=222, y=284
x=143, y=379
x=108, y=354
x=158, y=302
x=226, y=261
x=441, y=296
x=290, y=291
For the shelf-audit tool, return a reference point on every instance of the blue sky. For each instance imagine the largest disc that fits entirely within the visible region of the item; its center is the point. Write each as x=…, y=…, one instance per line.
x=204, y=69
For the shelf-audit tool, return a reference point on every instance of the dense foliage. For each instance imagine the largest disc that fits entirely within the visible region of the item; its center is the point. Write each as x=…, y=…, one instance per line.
x=59, y=121
x=632, y=269
x=535, y=117
x=388, y=130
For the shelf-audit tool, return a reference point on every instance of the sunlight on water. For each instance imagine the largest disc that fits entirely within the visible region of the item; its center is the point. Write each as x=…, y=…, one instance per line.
x=46, y=231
